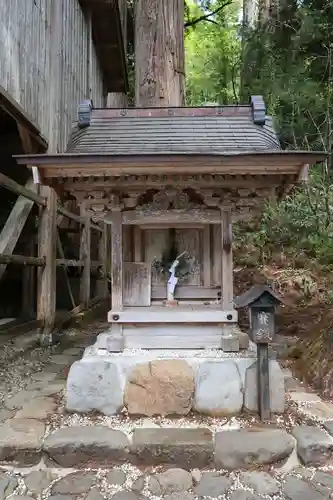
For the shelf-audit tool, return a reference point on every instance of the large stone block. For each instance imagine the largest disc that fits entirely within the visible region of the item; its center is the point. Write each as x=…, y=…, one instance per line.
x=314, y=446
x=21, y=441
x=87, y=446
x=276, y=388
x=94, y=384
x=186, y=448
x=161, y=387
x=219, y=389
x=295, y=488
x=242, y=449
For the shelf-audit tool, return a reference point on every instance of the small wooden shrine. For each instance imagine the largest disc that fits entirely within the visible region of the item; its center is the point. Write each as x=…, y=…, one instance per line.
x=170, y=182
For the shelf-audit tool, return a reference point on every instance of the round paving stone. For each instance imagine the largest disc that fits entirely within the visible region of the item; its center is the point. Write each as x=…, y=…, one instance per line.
x=126, y=495
x=53, y=388
x=61, y=359
x=38, y=408
x=6, y=414
x=212, y=485
x=73, y=351
x=262, y=482
x=39, y=480
x=21, y=497
x=75, y=483
x=7, y=485
x=18, y=400
x=43, y=377
x=116, y=476
x=94, y=494
x=323, y=478
x=171, y=481
x=139, y=484
x=242, y=495
x=61, y=497
x=184, y=495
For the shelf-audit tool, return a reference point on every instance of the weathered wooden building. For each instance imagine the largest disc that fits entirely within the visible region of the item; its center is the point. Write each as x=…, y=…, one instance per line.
x=53, y=53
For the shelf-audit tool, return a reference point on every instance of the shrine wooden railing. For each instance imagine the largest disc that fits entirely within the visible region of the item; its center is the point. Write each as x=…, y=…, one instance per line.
x=49, y=244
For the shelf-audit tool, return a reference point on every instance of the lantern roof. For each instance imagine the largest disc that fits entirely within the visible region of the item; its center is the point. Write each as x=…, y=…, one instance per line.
x=256, y=293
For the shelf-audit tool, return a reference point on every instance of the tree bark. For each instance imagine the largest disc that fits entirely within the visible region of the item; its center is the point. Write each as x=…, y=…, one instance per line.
x=250, y=13
x=159, y=53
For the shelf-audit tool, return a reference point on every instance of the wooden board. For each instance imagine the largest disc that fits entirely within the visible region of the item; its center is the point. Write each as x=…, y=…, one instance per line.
x=155, y=243
x=216, y=255
x=172, y=336
x=189, y=240
x=187, y=292
x=137, y=284
x=174, y=315
x=13, y=227
x=127, y=244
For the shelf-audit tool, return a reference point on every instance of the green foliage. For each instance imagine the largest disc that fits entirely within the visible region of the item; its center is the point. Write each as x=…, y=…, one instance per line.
x=288, y=59
x=213, y=50
x=300, y=225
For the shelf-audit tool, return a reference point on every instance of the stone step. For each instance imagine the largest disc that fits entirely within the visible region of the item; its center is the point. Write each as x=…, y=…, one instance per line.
x=23, y=442
x=130, y=483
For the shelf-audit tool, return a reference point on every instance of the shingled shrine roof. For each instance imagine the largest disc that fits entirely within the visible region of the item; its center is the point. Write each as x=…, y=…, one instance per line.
x=207, y=130
x=229, y=140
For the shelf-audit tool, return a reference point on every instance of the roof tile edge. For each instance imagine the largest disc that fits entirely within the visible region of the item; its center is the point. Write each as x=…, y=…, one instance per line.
x=84, y=113
x=258, y=110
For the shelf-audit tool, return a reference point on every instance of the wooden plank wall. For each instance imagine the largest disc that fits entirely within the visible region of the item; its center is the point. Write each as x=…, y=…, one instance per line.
x=25, y=72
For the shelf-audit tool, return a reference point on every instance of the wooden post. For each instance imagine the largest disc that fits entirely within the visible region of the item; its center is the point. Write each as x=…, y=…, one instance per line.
x=264, y=405
x=227, y=293
x=115, y=341
x=85, y=255
x=103, y=259
x=117, y=260
x=206, y=256
x=46, y=299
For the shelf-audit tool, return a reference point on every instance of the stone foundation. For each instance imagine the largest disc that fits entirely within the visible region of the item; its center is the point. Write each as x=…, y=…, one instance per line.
x=175, y=383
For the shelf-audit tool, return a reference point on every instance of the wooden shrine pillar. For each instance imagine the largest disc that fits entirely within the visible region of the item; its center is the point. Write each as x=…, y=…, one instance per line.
x=116, y=341
x=117, y=260
x=207, y=275
x=47, y=242
x=103, y=259
x=85, y=256
x=227, y=288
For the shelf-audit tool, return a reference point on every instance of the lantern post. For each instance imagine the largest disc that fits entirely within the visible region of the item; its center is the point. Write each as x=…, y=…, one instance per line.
x=261, y=301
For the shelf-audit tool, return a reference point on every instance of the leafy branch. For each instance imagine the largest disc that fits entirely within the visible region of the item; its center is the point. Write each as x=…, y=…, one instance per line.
x=207, y=17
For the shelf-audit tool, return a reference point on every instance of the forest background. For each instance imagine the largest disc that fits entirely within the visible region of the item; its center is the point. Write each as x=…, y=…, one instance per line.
x=281, y=49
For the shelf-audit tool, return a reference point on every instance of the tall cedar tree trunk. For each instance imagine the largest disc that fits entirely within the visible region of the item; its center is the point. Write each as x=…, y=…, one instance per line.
x=159, y=53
